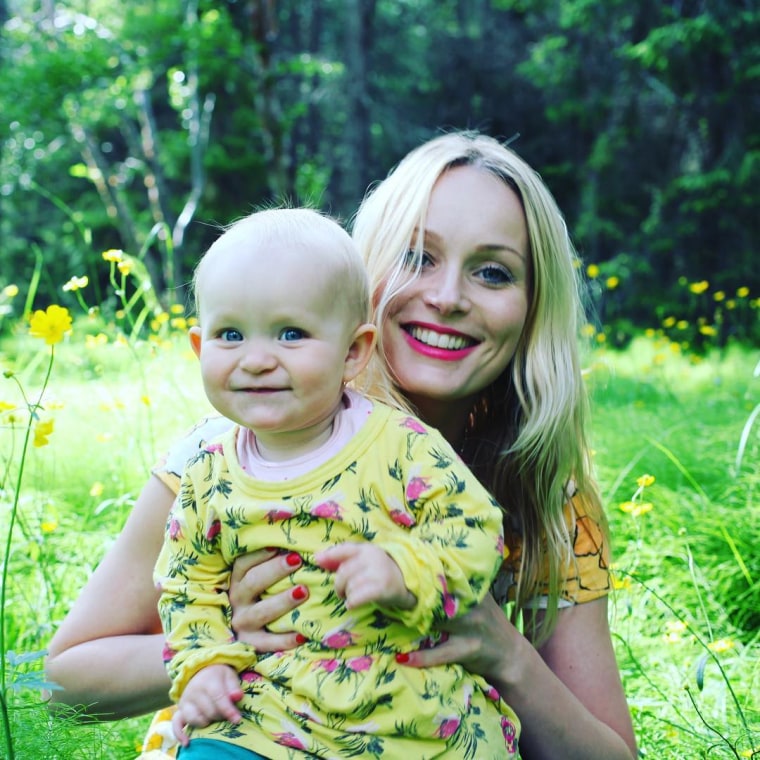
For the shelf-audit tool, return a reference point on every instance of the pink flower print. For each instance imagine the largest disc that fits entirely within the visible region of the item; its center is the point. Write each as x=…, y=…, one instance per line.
x=338, y=639
x=329, y=509
x=447, y=727
x=329, y=666
x=402, y=517
x=278, y=514
x=416, y=487
x=510, y=734
x=289, y=739
x=414, y=425
x=213, y=530
x=492, y=694
x=450, y=602
x=168, y=653
x=250, y=676
x=467, y=693
x=175, y=530
x=500, y=547
x=214, y=448
x=359, y=664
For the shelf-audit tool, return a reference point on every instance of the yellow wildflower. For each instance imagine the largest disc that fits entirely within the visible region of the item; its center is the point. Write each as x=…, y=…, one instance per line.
x=113, y=254
x=42, y=431
x=145, y=400
x=76, y=283
x=643, y=481
x=177, y=308
x=96, y=489
x=742, y=292
x=588, y=331
x=612, y=282
x=180, y=323
x=10, y=291
x=708, y=330
x=699, y=287
x=719, y=295
x=51, y=324
x=592, y=270
x=721, y=645
x=6, y=407
x=48, y=526
x=649, y=332
x=601, y=338
x=668, y=321
x=125, y=267
x=731, y=303
x=682, y=324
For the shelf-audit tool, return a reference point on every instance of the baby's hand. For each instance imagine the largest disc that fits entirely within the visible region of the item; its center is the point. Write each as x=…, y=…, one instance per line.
x=210, y=695
x=364, y=573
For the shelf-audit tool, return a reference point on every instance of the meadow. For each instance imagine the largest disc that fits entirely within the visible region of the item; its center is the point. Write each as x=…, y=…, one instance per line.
x=85, y=409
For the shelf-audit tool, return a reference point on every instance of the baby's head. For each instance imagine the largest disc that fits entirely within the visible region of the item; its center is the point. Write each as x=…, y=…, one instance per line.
x=272, y=242
x=283, y=306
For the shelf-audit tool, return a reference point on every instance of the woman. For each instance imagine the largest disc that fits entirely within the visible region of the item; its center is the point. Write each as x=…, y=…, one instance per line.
x=477, y=305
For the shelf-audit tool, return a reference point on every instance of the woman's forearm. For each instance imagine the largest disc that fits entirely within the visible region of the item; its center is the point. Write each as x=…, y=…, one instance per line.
x=555, y=723
x=111, y=678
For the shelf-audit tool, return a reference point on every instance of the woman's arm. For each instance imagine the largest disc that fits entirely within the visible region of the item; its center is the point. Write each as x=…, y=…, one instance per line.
x=567, y=695
x=107, y=653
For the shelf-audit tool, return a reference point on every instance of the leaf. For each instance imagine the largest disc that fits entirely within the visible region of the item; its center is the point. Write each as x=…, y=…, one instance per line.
x=700, y=675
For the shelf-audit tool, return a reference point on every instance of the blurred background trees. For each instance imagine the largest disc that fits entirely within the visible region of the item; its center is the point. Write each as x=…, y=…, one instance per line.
x=142, y=126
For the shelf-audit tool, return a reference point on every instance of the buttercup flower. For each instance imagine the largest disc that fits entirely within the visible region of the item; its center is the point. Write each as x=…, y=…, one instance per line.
x=76, y=283
x=699, y=287
x=742, y=292
x=42, y=431
x=644, y=480
x=592, y=270
x=50, y=325
x=612, y=282
x=10, y=291
x=113, y=254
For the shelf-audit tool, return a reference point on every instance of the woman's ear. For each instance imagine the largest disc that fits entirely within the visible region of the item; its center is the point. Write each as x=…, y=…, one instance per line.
x=195, y=340
x=360, y=351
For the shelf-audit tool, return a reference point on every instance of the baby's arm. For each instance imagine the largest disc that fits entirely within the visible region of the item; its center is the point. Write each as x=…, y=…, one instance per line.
x=210, y=695
x=193, y=577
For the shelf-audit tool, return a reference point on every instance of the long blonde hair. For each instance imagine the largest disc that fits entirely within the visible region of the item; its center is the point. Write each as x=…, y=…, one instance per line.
x=526, y=437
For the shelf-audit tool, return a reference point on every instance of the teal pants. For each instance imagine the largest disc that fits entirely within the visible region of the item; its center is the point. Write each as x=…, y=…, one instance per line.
x=210, y=749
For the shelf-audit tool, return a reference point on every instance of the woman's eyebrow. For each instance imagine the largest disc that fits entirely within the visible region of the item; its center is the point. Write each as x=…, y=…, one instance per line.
x=483, y=247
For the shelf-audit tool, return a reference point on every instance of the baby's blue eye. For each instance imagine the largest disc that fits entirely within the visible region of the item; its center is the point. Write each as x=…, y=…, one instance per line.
x=231, y=334
x=291, y=334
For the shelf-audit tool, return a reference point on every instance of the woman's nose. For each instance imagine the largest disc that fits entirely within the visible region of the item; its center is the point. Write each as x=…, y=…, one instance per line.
x=445, y=292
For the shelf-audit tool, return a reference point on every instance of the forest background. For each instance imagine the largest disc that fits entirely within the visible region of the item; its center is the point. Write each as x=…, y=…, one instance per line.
x=130, y=132
x=143, y=126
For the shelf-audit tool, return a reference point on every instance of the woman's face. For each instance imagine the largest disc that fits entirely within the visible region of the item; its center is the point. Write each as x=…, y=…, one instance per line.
x=452, y=331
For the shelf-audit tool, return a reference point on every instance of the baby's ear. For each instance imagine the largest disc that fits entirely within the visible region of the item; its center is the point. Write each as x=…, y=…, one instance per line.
x=195, y=340
x=360, y=351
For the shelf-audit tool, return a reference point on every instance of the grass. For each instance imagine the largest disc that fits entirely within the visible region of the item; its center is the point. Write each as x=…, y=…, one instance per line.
x=685, y=614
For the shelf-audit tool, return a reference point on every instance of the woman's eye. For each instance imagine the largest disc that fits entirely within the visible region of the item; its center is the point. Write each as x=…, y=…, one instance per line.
x=417, y=259
x=231, y=335
x=292, y=333
x=492, y=274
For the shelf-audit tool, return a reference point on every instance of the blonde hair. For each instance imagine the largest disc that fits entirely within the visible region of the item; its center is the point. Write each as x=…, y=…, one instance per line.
x=526, y=437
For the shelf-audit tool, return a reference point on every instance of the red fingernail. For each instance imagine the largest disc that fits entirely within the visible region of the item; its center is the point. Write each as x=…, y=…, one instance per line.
x=300, y=638
x=293, y=559
x=298, y=593
x=402, y=658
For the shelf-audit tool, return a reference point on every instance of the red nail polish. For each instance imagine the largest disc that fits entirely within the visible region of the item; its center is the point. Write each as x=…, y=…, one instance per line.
x=300, y=638
x=402, y=658
x=293, y=559
x=298, y=593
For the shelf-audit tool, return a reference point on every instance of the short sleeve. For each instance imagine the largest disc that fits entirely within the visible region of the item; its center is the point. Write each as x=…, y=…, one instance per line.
x=168, y=469
x=587, y=572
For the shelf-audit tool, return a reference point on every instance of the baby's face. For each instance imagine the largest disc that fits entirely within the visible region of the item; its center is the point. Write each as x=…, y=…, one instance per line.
x=273, y=340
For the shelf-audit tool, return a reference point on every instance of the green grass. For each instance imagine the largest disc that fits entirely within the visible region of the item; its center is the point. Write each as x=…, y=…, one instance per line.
x=686, y=613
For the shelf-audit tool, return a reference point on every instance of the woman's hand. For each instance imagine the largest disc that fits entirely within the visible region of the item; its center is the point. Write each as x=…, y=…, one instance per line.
x=252, y=574
x=483, y=641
